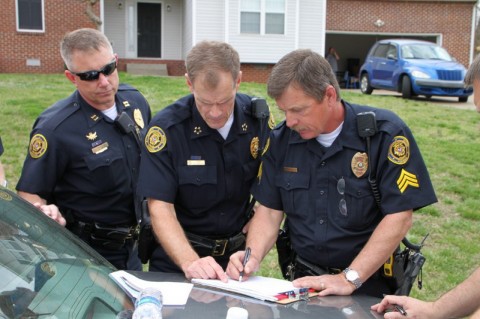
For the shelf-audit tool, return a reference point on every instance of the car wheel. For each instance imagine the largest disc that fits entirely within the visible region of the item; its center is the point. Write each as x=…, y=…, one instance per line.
x=365, y=84
x=406, y=87
x=463, y=99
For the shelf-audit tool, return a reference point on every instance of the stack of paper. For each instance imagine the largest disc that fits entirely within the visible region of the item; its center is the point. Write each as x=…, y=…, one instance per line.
x=264, y=288
x=174, y=293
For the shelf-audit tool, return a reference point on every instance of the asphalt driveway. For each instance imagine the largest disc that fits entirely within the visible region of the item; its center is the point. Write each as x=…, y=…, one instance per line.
x=440, y=100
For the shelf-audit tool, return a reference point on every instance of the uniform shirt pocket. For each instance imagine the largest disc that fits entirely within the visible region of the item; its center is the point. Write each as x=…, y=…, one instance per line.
x=104, y=170
x=197, y=175
x=359, y=209
x=294, y=190
x=198, y=188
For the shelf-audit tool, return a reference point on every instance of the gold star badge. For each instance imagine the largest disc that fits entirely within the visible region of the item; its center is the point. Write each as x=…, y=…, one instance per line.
x=359, y=164
x=137, y=116
x=254, y=147
x=91, y=136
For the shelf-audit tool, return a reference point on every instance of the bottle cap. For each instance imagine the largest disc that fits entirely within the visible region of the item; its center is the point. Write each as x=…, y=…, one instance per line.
x=237, y=313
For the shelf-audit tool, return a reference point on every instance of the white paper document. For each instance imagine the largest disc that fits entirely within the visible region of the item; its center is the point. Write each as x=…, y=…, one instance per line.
x=174, y=293
x=259, y=287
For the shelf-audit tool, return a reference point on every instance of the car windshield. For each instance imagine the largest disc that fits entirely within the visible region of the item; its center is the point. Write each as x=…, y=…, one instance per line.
x=49, y=273
x=425, y=51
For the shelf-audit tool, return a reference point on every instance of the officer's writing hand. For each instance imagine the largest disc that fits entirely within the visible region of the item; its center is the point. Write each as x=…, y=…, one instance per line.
x=205, y=268
x=51, y=211
x=413, y=307
x=326, y=284
x=235, y=266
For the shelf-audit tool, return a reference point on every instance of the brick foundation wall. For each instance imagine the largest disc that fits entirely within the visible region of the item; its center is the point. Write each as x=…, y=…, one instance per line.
x=256, y=72
x=407, y=17
x=250, y=72
x=174, y=67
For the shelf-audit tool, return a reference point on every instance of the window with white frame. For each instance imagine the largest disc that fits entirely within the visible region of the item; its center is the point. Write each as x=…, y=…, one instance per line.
x=262, y=16
x=30, y=15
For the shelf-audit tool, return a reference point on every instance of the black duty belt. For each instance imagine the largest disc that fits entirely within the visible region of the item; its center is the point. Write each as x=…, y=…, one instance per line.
x=108, y=236
x=315, y=269
x=217, y=247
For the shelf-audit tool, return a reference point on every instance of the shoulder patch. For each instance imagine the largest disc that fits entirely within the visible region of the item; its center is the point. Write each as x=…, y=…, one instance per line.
x=399, y=150
x=155, y=139
x=38, y=146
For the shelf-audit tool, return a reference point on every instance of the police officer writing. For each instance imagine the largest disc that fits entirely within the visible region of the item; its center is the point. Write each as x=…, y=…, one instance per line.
x=317, y=171
x=464, y=299
x=83, y=158
x=202, y=155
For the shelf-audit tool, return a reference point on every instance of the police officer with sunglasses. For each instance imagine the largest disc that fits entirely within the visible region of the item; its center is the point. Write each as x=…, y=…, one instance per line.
x=84, y=151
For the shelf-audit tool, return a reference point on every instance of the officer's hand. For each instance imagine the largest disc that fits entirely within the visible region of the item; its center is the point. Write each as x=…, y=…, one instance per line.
x=326, y=284
x=235, y=266
x=205, y=268
x=51, y=211
x=413, y=307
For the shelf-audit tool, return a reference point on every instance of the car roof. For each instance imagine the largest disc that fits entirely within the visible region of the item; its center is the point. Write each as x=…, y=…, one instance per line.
x=406, y=41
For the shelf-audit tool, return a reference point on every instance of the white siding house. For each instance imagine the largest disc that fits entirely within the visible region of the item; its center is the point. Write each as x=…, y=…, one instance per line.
x=297, y=24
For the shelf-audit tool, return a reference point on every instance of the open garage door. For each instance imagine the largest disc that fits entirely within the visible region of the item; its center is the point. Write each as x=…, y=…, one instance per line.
x=353, y=47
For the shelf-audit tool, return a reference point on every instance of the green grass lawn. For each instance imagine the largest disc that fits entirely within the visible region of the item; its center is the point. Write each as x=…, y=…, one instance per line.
x=448, y=137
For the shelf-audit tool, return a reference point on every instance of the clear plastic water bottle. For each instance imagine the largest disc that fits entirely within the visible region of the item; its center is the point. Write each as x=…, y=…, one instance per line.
x=149, y=304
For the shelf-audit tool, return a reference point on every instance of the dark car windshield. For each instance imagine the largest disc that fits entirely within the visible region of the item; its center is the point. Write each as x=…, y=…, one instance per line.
x=425, y=51
x=46, y=272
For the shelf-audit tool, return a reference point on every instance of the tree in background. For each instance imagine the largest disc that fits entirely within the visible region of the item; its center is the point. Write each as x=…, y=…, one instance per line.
x=91, y=13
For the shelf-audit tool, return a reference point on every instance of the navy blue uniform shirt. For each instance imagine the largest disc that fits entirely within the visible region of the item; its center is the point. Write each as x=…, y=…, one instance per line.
x=300, y=177
x=81, y=161
x=207, y=178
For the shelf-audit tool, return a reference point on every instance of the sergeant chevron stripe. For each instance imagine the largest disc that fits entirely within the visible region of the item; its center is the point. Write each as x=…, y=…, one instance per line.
x=406, y=179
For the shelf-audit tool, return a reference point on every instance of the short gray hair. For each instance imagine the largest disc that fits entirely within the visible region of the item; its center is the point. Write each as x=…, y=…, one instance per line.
x=304, y=69
x=84, y=40
x=211, y=57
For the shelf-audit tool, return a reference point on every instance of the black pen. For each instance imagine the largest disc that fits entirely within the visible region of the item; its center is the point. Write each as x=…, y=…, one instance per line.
x=245, y=261
x=399, y=308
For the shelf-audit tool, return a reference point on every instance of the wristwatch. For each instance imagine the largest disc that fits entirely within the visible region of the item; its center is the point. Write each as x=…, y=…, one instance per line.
x=353, y=277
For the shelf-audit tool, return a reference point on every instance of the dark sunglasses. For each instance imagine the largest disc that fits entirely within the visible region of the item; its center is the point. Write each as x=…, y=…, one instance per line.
x=94, y=74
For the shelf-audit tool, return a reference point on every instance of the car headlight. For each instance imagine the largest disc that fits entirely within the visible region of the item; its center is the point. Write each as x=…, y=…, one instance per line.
x=420, y=74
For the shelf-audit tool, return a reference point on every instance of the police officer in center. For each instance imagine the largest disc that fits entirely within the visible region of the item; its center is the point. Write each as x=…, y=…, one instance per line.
x=319, y=171
x=84, y=151
x=202, y=155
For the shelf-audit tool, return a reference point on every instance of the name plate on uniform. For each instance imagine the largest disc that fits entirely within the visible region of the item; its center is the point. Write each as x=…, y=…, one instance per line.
x=195, y=162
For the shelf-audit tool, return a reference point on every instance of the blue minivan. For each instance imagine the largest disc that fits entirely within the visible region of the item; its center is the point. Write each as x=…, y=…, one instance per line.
x=413, y=67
